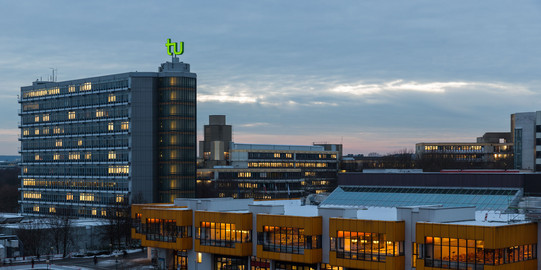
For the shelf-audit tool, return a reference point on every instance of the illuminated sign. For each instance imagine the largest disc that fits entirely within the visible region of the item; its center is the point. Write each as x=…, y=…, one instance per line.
x=175, y=50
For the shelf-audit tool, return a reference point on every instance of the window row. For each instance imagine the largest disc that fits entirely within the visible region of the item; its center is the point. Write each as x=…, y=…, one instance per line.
x=365, y=246
x=77, y=170
x=442, y=252
x=178, y=125
x=77, y=142
x=91, y=184
x=167, y=140
x=260, y=175
x=76, y=129
x=454, y=148
x=91, y=197
x=176, y=82
x=66, y=89
x=87, y=156
x=185, y=110
x=291, y=165
x=79, y=114
x=76, y=101
x=164, y=230
x=287, y=240
x=222, y=234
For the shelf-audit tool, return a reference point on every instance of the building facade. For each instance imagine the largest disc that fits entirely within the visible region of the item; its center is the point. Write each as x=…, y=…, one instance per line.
x=223, y=233
x=526, y=131
x=486, y=152
x=91, y=145
x=262, y=171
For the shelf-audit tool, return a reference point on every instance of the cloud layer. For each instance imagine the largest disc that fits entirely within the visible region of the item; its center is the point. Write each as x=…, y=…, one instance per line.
x=375, y=75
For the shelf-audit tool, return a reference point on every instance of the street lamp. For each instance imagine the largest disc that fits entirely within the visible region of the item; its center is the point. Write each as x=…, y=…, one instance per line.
x=116, y=261
x=47, y=262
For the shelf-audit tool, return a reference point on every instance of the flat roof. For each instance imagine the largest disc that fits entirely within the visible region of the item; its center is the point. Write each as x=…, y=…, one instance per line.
x=499, y=199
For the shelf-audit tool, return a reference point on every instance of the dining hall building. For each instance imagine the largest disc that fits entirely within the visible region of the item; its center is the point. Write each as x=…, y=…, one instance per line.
x=355, y=227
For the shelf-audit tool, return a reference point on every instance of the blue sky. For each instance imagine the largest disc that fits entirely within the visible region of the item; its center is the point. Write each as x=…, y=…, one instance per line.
x=378, y=76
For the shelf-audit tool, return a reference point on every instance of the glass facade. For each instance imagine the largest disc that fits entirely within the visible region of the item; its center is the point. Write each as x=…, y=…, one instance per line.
x=68, y=131
x=230, y=263
x=442, y=252
x=287, y=240
x=222, y=234
x=177, y=137
x=365, y=246
x=483, y=198
x=165, y=230
x=295, y=266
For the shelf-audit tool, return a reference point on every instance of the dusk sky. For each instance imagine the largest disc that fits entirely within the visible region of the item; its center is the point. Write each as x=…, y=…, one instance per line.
x=378, y=76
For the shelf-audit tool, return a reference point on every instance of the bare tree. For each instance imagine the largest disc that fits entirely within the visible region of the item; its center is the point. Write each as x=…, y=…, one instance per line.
x=61, y=229
x=32, y=236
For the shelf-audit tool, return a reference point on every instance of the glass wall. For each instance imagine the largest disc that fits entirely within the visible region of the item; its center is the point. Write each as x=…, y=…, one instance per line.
x=230, y=263
x=177, y=137
x=295, y=266
x=443, y=252
x=259, y=264
x=221, y=234
x=365, y=246
x=165, y=230
x=287, y=240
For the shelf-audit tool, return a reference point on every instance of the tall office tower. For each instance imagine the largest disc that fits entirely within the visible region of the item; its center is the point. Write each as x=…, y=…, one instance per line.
x=214, y=149
x=92, y=145
x=526, y=132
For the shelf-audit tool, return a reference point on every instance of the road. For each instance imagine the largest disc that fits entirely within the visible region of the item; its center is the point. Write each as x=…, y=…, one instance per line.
x=135, y=260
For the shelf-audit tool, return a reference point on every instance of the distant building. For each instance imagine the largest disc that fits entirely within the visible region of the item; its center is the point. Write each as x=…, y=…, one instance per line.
x=526, y=132
x=485, y=153
x=91, y=145
x=262, y=171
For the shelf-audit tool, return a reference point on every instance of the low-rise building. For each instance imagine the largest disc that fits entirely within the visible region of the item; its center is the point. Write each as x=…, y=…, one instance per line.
x=354, y=228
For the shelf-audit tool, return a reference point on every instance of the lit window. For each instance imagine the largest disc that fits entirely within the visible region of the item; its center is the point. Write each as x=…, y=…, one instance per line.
x=56, y=156
x=74, y=156
x=71, y=115
x=58, y=130
x=36, y=118
x=45, y=130
x=86, y=86
x=111, y=126
x=71, y=88
x=173, y=95
x=36, y=131
x=52, y=210
x=45, y=117
x=36, y=208
x=111, y=98
x=119, y=198
x=88, y=197
x=88, y=155
x=173, y=125
x=26, y=132
x=289, y=155
x=69, y=197
x=37, y=157
x=125, y=125
x=25, y=169
x=112, y=155
x=94, y=212
x=80, y=142
x=103, y=213
x=276, y=155
x=100, y=113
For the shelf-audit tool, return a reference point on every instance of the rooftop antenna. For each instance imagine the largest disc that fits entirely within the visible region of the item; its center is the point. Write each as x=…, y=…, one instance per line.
x=53, y=78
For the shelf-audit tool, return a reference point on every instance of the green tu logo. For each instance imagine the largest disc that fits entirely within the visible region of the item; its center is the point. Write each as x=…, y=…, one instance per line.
x=174, y=50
